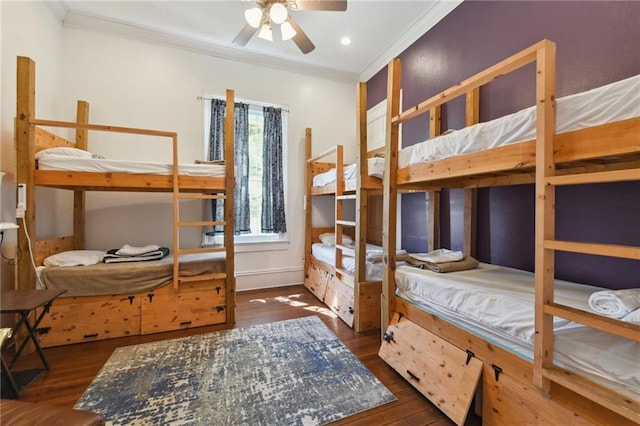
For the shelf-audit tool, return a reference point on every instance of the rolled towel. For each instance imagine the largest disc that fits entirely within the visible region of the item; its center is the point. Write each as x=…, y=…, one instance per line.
x=615, y=303
x=460, y=265
x=438, y=256
x=634, y=316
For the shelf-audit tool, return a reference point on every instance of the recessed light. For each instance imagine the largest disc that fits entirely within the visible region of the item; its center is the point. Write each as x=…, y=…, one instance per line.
x=345, y=41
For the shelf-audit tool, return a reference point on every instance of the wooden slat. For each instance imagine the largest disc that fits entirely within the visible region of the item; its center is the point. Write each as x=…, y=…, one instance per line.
x=613, y=250
x=207, y=249
x=599, y=177
x=346, y=197
x=346, y=222
x=204, y=277
x=330, y=151
x=82, y=141
x=189, y=196
x=619, y=328
x=623, y=405
x=102, y=127
x=229, y=205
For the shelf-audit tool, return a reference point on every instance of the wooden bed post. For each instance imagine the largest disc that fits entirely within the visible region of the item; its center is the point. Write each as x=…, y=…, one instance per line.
x=25, y=156
x=307, y=200
x=390, y=192
x=230, y=183
x=433, y=215
x=362, y=202
x=472, y=116
x=82, y=141
x=545, y=211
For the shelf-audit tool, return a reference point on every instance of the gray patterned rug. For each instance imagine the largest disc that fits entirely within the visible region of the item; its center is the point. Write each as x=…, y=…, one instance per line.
x=294, y=372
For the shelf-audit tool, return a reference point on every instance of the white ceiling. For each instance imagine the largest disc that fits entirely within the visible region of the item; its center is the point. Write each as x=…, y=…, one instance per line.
x=379, y=30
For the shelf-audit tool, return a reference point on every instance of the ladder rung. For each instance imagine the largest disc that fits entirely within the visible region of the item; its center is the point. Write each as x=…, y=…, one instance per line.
x=202, y=223
x=346, y=197
x=204, y=277
x=625, y=406
x=594, y=177
x=201, y=250
x=612, y=250
x=346, y=222
x=619, y=328
x=192, y=196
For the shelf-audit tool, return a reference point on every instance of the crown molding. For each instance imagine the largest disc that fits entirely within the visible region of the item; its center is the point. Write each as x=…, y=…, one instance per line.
x=88, y=22
x=424, y=23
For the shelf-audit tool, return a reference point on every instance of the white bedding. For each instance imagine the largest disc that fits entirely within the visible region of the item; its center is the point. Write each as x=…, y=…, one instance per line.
x=605, y=104
x=328, y=255
x=375, y=168
x=76, y=164
x=497, y=303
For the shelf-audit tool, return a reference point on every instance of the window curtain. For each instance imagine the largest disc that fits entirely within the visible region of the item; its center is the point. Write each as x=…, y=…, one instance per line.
x=273, y=217
x=242, y=215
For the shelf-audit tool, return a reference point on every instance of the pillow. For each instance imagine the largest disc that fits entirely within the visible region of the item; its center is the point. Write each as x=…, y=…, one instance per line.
x=75, y=258
x=329, y=239
x=66, y=151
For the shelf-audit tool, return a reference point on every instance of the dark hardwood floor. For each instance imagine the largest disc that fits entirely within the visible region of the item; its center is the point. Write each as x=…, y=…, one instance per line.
x=73, y=367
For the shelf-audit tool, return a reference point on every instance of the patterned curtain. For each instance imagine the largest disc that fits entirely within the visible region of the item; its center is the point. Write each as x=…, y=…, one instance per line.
x=241, y=152
x=273, y=217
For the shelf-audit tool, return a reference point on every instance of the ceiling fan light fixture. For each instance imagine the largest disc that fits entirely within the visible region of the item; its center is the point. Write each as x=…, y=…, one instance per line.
x=287, y=31
x=278, y=13
x=266, y=33
x=253, y=16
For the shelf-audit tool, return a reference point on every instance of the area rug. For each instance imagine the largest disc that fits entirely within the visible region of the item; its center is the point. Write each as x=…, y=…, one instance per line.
x=294, y=372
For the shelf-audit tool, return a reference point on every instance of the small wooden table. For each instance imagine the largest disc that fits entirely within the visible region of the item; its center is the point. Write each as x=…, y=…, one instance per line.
x=24, y=302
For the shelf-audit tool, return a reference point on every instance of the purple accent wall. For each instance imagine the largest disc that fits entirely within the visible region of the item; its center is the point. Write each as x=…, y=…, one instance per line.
x=597, y=42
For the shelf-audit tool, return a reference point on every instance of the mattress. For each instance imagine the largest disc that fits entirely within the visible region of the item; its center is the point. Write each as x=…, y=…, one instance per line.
x=375, y=168
x=127, y=277
x=327, y=254
x=76, y=164
x=613, y=102
x=497, y=304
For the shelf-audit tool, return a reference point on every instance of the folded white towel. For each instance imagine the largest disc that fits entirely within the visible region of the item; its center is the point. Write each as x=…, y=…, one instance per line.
x=128, y=250
x=438, y=256
x=615, y=303
x=634, y=316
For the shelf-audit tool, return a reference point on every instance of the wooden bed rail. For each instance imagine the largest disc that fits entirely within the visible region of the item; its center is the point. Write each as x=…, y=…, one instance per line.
x=506, y=66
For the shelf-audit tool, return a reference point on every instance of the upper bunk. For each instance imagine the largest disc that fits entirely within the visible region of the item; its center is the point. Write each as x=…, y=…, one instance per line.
x=46, y=159
x=594, y=131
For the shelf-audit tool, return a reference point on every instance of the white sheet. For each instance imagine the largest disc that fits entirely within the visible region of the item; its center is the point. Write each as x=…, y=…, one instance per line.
x=497, y=303
x=75, y=164
x=375, y=168
x=328, y=255
x=605, y=104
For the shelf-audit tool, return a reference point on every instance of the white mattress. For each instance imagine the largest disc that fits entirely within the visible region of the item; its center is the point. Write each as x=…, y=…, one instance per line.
x=613, y=102
x=497, y=303
x=328, y=255
x=375, y=168
x=76, y=164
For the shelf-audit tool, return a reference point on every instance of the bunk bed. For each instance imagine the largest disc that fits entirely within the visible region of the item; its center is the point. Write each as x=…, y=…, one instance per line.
x=441, y=334
x=343, y=262
x=191, y=286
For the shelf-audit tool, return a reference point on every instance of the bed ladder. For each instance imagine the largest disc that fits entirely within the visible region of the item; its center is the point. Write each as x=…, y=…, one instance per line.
x=340, y=223
x=547, y=179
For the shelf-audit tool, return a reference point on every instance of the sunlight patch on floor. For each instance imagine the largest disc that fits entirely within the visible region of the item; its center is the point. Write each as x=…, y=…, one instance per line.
x=289, y=302
x=322, y=310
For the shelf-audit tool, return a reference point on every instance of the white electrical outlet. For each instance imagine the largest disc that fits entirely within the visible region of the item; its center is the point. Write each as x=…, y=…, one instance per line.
x=22, y=197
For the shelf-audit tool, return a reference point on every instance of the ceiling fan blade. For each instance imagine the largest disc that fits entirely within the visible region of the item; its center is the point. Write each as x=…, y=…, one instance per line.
x=245, y=35
x=301, y=39
x=337, y=5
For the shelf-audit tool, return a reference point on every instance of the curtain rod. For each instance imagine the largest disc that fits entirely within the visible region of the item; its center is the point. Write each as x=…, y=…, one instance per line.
x=257, y=104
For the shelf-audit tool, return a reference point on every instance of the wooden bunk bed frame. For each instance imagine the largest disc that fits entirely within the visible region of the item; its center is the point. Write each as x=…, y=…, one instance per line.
x=514, y=390
x=351, y=297
x=188, y=301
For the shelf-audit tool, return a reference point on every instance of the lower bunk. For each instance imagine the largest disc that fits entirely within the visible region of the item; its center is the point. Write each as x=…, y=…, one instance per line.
x=469, y=334
x=109, y=300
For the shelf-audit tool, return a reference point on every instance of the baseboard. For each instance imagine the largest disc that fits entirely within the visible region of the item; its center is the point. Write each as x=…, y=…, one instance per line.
x=269, y=278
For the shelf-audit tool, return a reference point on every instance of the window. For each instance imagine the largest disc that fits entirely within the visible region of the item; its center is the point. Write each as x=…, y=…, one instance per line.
x=261, y=181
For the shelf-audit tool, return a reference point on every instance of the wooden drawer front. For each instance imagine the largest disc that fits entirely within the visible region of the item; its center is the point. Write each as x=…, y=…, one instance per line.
x=438, y=369
x=316, y=280
x=69, y=322
x=339, y=298
x=506, y=401
x=165, y=312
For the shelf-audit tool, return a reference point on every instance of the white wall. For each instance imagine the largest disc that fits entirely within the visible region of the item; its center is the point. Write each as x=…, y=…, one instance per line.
x=28, y=29
x=137, y=84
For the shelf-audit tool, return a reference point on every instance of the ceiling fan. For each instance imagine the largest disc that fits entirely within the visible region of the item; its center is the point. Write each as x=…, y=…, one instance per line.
x=261, y=19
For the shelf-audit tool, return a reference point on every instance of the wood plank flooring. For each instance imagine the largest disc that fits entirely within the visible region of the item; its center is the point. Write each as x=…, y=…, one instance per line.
x=73, y=367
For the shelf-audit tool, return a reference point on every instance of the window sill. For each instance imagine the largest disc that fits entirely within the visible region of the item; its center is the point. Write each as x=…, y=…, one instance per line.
x=248, y=245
